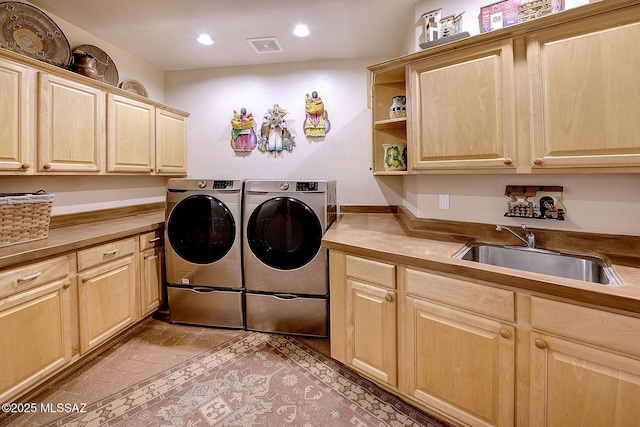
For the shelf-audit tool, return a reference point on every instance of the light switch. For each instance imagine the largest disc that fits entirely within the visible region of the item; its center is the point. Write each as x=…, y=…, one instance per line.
x=444, y=201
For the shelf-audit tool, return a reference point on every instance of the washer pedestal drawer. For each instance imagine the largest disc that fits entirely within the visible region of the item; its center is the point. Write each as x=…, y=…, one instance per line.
x=205, y=306
x=288, y=314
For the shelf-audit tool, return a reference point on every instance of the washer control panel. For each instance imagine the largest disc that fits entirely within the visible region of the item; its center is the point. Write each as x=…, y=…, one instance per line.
x=306, y=186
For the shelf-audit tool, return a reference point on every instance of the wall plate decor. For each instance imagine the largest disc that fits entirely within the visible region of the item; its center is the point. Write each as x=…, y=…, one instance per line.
x=243, y=137
x=134, y=86
x=107, y=71
x=316, y=122
x=29, y=31
x=274, y=134
x=535, y=201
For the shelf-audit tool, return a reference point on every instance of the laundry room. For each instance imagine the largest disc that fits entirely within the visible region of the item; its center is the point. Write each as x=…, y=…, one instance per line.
x=378, y=202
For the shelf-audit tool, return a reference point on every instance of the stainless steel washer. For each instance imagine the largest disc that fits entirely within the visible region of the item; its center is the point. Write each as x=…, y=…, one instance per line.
x=203, y=252
x=285, y=267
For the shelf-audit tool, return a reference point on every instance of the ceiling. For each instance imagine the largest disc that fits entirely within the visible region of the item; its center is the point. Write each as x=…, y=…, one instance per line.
x=163, y=32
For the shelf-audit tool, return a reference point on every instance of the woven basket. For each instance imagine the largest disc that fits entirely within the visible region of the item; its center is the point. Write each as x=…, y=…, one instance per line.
x=24, y=217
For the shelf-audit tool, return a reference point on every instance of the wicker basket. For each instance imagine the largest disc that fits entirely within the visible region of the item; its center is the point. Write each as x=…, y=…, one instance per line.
x=24, y=217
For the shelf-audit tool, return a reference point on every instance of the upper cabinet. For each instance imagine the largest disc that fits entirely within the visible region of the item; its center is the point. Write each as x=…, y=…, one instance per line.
x=558, y=94
x=462, y=110
x=71, y=126
x=16, y=87
x=585, y=89
x=53, y=121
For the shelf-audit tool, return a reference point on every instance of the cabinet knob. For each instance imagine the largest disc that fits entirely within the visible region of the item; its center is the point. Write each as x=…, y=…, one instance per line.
x=25, y=166
x=508, y=161
x=388, y=297
x=538, y=161
x=46, y=166
x=505, y=334
x=66, y=285
x=540, y=344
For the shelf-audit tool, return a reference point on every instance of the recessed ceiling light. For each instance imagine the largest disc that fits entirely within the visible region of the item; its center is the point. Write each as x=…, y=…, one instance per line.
x=205, y=39
x=301, y=30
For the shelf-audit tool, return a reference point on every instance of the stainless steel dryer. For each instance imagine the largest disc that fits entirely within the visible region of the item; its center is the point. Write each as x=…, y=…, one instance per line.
x=203, y=252
x=285, y=267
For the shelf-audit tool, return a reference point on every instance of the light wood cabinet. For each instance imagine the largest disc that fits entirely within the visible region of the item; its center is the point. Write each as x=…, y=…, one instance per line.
x=71, y=126
x=151, y=271
x=36, y=324
x=107, y=301
x=130, y=135
x=459, y=362
x=592, y=382
x=585, y=93
x=16, y=117
x=387, y=81
x=462, y=111
x=171, y=143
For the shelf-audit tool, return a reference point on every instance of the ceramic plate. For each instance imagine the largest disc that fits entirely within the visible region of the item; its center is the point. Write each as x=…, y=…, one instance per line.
x=134, y=86
x=107, y=71
x=27, y=30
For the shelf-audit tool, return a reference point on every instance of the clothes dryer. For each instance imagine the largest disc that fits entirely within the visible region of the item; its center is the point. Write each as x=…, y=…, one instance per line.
x=203, y=252
x=285, y=266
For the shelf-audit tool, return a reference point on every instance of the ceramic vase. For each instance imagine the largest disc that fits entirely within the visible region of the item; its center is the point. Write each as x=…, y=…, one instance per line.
x=85, y=64
x=398, y=107
x=395, y=157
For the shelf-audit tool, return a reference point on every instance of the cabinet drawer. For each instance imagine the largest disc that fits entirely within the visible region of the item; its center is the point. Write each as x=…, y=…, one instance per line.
x=615, y=331
x=32, y=275
x=100, y=254
x=151, y=240
x=371, y=271
x=497, y=303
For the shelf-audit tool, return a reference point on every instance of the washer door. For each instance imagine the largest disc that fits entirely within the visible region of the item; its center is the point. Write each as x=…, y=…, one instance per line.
x=284, y=233
x=201, y=229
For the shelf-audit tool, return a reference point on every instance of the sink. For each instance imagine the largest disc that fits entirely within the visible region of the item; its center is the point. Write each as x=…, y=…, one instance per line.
x=569, y=265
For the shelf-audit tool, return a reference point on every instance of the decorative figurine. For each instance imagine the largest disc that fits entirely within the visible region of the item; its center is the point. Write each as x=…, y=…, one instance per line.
x=316, y=123
x=243, y=137
x=274, y=135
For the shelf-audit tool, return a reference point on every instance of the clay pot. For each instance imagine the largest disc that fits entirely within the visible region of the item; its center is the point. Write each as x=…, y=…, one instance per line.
x=84, y=64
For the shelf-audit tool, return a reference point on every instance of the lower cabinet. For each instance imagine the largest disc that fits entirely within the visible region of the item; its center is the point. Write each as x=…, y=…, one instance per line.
x=456, y=361
x=593, y=382
x=36, y=324
x=106, y=292
x=371, y=319
x=151, y=271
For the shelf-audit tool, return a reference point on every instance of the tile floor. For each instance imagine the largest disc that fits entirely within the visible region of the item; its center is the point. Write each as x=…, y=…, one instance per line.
x=155, y=346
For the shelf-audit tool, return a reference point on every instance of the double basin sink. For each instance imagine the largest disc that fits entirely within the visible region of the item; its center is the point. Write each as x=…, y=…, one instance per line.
x=584, y=267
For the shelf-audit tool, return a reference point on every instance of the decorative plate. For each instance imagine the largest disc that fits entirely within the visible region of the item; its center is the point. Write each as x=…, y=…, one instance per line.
x=29, y=31
x=134, y=86
x=107, y=71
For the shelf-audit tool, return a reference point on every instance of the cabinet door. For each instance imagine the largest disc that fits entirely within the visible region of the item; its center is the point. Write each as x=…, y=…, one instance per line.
x=130, y=135
x=16, y=117
x=36, y=336
x=71, y=126
x=462, y=110
x=586, y=93
x=576, y=385
x=151, y=279
x=106, y=301
x=371, y=330
x=171, y=143
x=459, y=363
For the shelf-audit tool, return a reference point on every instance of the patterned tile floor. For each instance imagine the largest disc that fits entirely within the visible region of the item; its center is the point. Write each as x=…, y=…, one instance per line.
x=156, y=346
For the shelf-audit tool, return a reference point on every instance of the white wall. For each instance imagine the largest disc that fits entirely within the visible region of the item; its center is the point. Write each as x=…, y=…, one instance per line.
x=211, y=96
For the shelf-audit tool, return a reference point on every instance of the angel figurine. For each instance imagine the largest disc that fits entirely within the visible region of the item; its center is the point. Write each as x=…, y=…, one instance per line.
x=274, y=135
x=316, y=123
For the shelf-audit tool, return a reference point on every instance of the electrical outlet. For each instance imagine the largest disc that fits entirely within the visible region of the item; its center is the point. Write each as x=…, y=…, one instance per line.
x=443, y=201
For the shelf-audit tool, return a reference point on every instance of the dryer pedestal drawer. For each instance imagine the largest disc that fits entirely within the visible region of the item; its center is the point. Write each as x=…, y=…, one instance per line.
x=205, y=306
x=287, y=314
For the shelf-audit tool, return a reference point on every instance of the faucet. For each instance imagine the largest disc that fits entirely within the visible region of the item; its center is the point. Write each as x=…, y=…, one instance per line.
x=530, y=241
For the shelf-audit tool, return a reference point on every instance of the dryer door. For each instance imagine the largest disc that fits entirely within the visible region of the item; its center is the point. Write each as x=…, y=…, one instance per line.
x=201, y=229
x=284, y=233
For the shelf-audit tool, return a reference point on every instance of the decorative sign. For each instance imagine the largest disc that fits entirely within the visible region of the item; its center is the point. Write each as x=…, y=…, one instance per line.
x=535, y=201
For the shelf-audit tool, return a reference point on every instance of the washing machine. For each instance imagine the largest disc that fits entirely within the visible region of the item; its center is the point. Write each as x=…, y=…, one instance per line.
x=203, y=252
x=285, y=267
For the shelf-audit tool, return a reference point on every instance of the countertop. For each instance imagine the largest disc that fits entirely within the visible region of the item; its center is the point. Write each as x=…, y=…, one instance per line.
x=386, y=237
x=71, y=238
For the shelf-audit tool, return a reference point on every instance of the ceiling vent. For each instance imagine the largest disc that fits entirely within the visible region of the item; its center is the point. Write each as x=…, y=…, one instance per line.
x=265, y=45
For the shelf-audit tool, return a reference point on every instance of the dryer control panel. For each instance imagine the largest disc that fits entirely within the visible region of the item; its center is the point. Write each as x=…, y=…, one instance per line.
x=306, y=186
